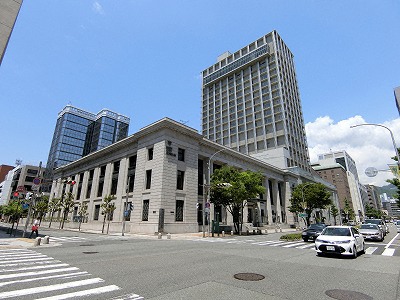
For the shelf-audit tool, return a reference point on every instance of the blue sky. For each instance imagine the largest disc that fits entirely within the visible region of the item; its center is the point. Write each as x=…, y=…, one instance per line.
x=143, y=59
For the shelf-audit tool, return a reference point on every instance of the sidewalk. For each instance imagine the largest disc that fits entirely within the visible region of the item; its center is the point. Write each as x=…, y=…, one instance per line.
x=17, y=241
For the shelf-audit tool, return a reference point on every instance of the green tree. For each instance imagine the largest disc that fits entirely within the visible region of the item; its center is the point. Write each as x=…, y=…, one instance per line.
x=14, y=210
x=41, y=206
x=232, y=189
x=66, y=204
x=334, y=212
x=107, y=209
x=53, y=206
x=347, y=211
x=371, y=212
x=82, y=212
x=396, y=182
x=307, y=197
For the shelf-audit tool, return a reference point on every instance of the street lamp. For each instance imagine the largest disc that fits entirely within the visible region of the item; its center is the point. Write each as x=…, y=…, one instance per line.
x=391, y=134
x=207, y=190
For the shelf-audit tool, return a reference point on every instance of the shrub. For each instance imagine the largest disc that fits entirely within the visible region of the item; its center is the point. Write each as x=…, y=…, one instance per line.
x=291, y=237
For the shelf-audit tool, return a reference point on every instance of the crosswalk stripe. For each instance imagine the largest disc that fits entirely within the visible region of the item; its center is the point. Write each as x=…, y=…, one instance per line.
x=306, y=246
x=67, y=275
x=26, y=274
x=33, y=268
x=280, y=244
x=293, y=245
x=94, y=291
x=388, y=252
x=26, y=259
x=48, y=288
x=29, y=263
x=18, y=258
x=370, y=250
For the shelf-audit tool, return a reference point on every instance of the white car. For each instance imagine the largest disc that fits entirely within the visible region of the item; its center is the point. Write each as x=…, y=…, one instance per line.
x=344, y=240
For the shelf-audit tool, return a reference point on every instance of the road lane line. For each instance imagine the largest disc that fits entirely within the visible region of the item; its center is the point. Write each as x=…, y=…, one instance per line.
x=48, y=288
x=392, y=240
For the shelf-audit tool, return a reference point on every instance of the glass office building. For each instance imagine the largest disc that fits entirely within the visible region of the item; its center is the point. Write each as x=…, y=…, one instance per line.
x=79, y=133
x=251, y=103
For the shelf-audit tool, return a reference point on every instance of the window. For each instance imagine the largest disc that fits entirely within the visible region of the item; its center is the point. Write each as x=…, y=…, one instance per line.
x=150, y=153
x=179, y=211
x=180, y=180
x=148, y=179
x=181, y=154
x=145, y=211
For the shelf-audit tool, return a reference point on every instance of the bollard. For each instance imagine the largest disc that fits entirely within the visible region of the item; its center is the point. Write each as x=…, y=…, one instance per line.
x=168, y=236
x=276, y=229
x=280, y=229
x=231, y=232
x=266, y=231
x=37, y=241
x=223, y=233
x=159, y=235
x=46, y=239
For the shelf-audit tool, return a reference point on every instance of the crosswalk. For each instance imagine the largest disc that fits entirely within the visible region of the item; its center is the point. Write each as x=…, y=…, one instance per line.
x=24, y=272
x=72, y=239
x=369, y=250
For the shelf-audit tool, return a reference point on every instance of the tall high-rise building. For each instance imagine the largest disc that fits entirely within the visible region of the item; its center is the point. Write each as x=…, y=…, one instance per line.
x=251, y=103
x=79, y=133
x=397, y=98
x=9, y=10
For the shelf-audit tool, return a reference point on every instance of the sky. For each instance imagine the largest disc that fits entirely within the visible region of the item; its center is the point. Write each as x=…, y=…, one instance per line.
x=143, y=59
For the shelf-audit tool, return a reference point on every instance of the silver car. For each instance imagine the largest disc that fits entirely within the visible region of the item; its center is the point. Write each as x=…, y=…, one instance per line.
x=371, y=232
x=398, y=225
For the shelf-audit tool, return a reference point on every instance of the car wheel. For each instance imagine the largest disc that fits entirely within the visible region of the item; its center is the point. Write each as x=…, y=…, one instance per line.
x=363, y=249
x=305, y=239
x=354, y=251
x=320, y=254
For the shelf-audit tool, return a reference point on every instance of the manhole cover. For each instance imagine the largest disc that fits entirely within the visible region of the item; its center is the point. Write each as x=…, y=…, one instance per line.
x=87, y=245
x=90, y=252
x=345, y=295
x=249, y=276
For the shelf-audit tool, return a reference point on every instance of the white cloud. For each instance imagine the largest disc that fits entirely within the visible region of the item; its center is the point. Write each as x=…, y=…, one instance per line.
x=97, y=8
x=369, y=146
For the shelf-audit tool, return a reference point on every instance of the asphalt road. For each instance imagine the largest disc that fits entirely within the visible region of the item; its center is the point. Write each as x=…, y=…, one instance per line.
x=134, y=267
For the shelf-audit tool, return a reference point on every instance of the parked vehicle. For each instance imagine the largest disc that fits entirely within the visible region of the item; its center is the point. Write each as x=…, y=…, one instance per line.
x=371, y=232
x=398, y=226
x=381, y=223
x=343, y=240
x=312, y=232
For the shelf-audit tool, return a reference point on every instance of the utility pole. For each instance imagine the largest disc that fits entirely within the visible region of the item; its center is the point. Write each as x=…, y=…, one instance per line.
x=126, y=207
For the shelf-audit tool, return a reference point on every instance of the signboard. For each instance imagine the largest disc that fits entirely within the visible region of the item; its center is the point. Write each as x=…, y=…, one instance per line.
x=303, y=215
x=35, y=187
x=36, y=181
x=207, y=204
x=21, y=188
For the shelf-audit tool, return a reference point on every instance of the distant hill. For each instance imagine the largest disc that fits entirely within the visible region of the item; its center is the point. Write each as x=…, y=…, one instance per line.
x=389, y=189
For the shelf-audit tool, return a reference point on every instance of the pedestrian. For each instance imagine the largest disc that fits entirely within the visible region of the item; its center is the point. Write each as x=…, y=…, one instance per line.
x=35, y=229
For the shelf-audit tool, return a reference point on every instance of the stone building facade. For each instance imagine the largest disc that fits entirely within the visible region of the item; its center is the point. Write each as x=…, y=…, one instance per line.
x=161, y=172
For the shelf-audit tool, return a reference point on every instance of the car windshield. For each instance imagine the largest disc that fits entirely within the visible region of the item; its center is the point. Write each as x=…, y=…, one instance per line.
x=336, y=231
x=368, y=226
x=316, y=226
x=377, y=222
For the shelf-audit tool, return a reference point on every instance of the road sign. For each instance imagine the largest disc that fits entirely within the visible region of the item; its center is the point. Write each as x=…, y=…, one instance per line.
x=207, y=204
x=36, y=181
x=303, y=215
x=21, y=188
x=35, y=187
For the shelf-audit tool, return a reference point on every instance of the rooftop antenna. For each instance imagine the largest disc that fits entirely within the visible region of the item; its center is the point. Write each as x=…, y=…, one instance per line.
x=183, y=122
x=18, y=162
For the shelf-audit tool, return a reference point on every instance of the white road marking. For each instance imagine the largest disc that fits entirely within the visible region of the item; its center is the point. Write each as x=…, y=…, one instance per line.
x=34, y=268
x=370, y=250
x=26, y=274
x=293, y=245
x=94, y=291
x=27, y=259
x=54, y=287
x=68, y=275
x=388, y=252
